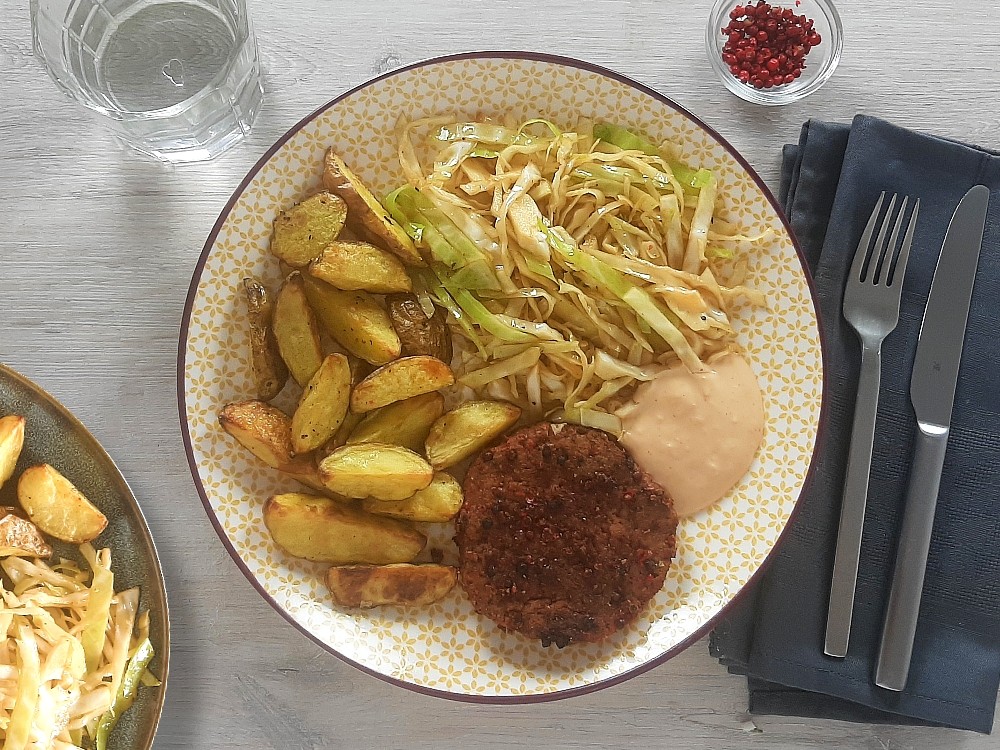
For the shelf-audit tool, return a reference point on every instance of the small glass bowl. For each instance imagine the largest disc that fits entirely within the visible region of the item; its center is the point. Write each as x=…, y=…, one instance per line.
x=821, y=60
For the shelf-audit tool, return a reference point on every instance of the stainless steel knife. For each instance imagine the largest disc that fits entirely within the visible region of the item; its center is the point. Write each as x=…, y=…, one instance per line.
x=932, y=392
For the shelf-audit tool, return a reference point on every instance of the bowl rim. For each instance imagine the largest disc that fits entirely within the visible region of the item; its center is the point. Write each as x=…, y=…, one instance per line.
x=763, y=97
x=159, y=594
x=182, y=409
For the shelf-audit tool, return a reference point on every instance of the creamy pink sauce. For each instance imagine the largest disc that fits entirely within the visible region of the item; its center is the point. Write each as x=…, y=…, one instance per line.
x=696, y=434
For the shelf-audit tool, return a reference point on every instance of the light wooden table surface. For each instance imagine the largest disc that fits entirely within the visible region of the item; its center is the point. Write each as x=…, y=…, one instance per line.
x=96, y=252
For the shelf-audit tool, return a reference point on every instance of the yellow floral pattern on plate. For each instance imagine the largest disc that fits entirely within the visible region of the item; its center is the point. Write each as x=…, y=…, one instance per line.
x=447, y=646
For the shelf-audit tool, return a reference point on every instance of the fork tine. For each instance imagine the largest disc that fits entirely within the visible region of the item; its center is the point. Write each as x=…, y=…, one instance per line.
x=878, y=250
x=899, y=263
x=862, y=253
x=889, y=253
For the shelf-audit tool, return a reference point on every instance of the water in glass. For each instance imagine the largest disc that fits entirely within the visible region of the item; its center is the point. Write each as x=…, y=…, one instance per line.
x=176, y=79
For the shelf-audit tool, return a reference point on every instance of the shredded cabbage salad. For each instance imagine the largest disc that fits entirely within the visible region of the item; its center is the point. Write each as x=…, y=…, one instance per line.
x=72, y=654
x=575, y=264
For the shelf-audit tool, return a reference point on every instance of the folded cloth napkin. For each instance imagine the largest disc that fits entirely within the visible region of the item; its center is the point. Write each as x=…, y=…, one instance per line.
x=775, y=635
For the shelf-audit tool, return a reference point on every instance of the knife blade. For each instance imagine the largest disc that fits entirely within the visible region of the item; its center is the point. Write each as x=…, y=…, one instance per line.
x=932, y=393
x=942, y=333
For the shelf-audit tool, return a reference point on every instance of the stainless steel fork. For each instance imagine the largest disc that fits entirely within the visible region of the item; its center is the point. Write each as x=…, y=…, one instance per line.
x=871, y=306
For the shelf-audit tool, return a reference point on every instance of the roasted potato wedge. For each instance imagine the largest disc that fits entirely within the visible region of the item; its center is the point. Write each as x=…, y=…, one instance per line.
x=366, y=216
x=325, y=530
x=303, y=469
x=323, y=404
x=264, y=430
x=401, y=379
x=296, y=330
x=342, y=435
x=57, y=507
x=359, y=370
x=386, y=472
x=270, y=373
x=438, y=502
x=301, y=232
x=11, y=442
x=418, y=333
x=357, y=265
x=20, y=537
x=467, y=429
x=356, y=320
x=406, y=423
x=368, y=586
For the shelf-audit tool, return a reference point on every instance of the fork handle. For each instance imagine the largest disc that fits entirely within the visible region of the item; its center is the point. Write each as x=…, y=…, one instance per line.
x=911, y=557
x=852, y=508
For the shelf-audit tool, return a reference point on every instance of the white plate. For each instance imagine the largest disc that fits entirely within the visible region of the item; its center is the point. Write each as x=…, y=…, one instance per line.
x=447, y=648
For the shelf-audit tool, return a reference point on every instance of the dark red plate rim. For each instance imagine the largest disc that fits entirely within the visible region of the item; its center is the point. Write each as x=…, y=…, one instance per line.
x=182, y=353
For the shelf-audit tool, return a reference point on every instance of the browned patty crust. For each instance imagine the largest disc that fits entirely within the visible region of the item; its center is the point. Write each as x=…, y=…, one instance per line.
x=561, y=536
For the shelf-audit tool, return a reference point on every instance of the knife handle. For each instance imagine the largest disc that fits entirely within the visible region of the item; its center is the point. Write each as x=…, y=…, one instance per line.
x=911, y=557
x=852, y=506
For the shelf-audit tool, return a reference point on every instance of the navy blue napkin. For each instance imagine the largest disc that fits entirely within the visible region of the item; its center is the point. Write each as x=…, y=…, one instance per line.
x=830, y=182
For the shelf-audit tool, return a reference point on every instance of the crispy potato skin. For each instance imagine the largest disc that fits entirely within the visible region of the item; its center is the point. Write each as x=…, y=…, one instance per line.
x=365, y=214
x=379, y=470
x=357, y=265
x=323, y=405
x=326, y=530
x=11, y=441
x=269, y=370
x=301, y=232
x=401, y=379
x=57, y=507
x=406, y=423
x=264, y=430
x=468, y=429
x=20, y=537
x=356, y=320
x=419, y=334
x=365, y=586
x=438, y=502
x=296, y=330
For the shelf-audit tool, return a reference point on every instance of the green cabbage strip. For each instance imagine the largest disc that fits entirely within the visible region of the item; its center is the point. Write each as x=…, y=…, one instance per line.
x=428, y=282
x=126, y=693
x=391, y=204
x=481, y=316
x=447, y=244
x=714, y=252
x=504, y=327
x=400, y=207
x=618, y=284
x=611, y=178
x=95, y=618
x=694, y=252
x=538, y=267
x=477, y=275
x=626, y=140
x=494, y=135
x=501, y=369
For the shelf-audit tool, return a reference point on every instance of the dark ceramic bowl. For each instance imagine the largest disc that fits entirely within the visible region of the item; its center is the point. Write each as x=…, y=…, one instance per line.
x=55, y=436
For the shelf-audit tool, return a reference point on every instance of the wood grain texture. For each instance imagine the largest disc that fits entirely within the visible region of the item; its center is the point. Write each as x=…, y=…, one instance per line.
x=97, y=248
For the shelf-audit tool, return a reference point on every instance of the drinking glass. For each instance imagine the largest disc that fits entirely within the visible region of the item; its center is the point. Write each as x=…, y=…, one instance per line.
x=178, y=80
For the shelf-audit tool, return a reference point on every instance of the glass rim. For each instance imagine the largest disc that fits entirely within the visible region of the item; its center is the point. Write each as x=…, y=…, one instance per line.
x=242, y=19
